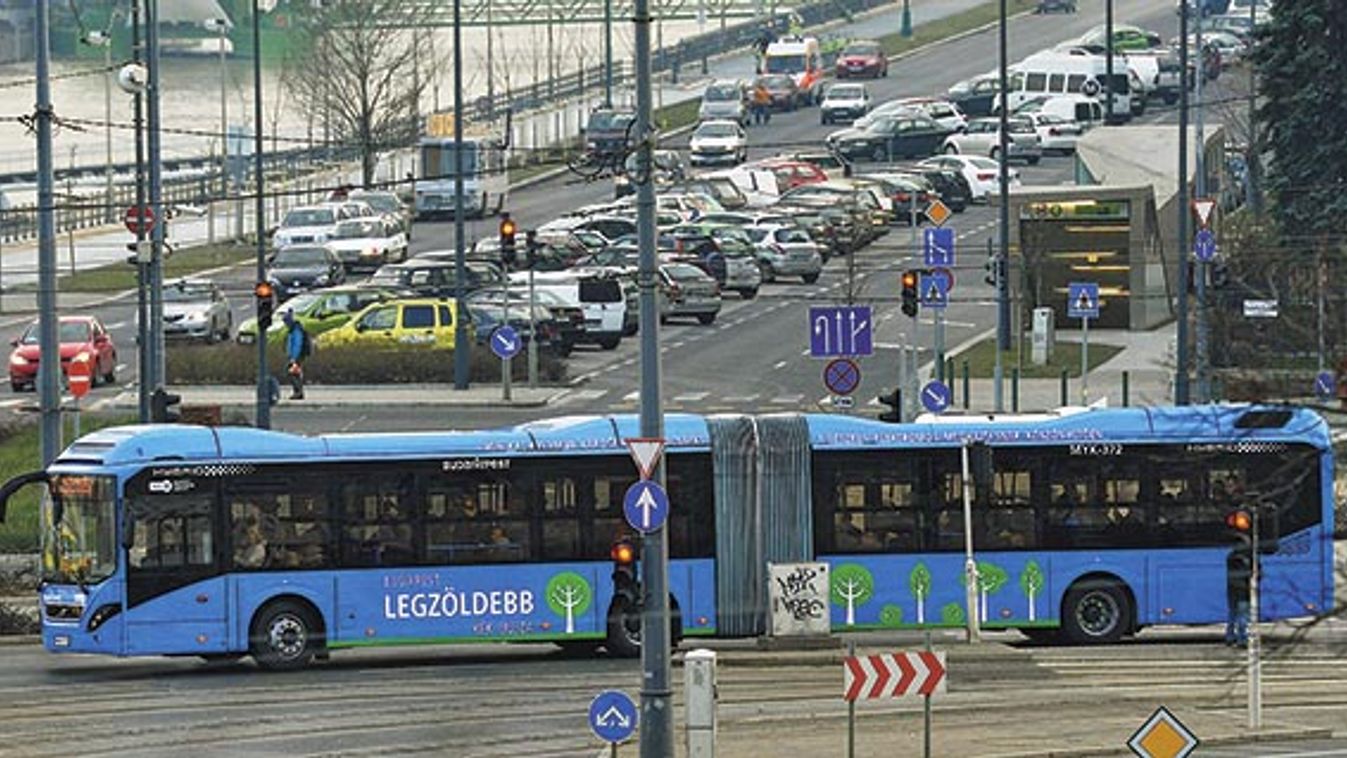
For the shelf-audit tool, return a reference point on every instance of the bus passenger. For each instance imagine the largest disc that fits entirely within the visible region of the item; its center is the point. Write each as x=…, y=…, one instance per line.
x=251, y=552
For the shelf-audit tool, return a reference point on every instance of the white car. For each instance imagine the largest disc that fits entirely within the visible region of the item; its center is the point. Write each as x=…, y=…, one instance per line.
x=306, y=225
x=196, y=309
x=1056, y=133
x=718, y=141
x=844, y=102
x=983, y=137
x=982, y=174
x=368, y=242
x=786, y=251
x=942, y=112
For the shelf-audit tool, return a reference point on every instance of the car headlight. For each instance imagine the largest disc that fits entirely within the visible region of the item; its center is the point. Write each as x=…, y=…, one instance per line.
x=321, y=279
x=17, y=360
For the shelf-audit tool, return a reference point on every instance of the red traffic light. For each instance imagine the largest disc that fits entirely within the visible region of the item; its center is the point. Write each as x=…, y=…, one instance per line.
x=623, y=552
x=1239, y=521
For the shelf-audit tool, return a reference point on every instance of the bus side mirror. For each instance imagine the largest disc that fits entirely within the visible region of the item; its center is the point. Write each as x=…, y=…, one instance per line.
x=18, y=483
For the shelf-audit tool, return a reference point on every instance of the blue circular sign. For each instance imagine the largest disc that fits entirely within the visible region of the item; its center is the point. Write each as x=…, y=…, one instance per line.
x=1204, y=245
x=505, y=342
x=646, y=506
x=936, y=397
x=1325, y=384
x=613, y=716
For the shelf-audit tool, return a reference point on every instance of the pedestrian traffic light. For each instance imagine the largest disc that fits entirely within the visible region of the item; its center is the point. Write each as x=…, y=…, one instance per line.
x=626, y=587
x=911, y=299
x=266, y=303
x=507, y=232
x=531, y=248
x=162, y=407
x=894, y=400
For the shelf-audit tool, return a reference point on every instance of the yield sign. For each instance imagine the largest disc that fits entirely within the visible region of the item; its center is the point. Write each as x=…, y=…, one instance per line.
x=646, y=451
x=1202, y=208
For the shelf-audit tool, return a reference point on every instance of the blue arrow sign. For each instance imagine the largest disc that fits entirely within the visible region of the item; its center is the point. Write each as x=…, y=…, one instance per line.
x=1204, y=245
x=646, y=506
x=1082, y=300
x=938, y=247
x=1325, y=385
x=933, y=290
x=505, y=342
x=613, y=716
x=836, y=331
x=936, y=397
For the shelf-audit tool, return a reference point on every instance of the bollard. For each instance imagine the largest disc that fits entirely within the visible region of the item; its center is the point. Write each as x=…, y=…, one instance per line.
x=965, y=384
x=1126, y=382
x=699, y=692
x=1064, y=374
x=1015, y=389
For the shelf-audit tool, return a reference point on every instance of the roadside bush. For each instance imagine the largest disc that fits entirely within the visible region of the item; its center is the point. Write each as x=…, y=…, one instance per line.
x=237, y=364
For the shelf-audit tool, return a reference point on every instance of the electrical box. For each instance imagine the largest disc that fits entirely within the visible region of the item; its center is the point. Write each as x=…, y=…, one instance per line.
x=1044, y=336
x=700, y=695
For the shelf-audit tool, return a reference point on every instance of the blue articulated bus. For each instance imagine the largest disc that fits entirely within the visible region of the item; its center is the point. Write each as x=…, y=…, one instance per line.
x=1087, y=524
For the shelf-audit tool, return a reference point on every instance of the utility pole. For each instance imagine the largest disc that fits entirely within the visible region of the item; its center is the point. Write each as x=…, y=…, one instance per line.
x=144, y=384
x=1003, y=182
x=1202, y=358
x=1108, y=63
x=49, y=349
x=1253, y=162
x=490, y=60
x=263, y=377
x=656, y=696
x=607, y=53
x=461, y=365
x=1181, y=250
x=154, y=146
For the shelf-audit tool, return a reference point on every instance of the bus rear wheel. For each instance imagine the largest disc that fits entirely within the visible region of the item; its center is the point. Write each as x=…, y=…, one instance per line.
x=285, y=636
x=624, y=628
x=1096, y=612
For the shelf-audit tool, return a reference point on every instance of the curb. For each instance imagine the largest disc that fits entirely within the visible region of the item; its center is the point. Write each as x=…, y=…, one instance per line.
x=15, y=640
x=1267, y=735
x=432, y=401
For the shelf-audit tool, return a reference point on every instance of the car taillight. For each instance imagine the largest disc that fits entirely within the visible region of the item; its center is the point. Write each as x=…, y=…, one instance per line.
x=1054, y=131
x=986, y=176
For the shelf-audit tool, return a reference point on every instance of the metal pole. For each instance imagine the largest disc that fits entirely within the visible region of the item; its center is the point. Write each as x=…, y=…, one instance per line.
x=506, y=367
x=154, y=153
x=851, y=710
x=941, y=373
x=1085, y=361
x=970, y=566
x=224, y=117
x=926, y=712
x=490, y=59
x=144, y=380
x=607, y=53
x=1003, y=182
x=905, y=25
x=1321, y=275
x=1108, y=62
x=109, y=192
x=1253, y=160
x=656, y=696
x=1202, y=357
x=461, y=355
x=1255, y=662
x=1002, y=331
x=533, y=335
x=49, y=360
x=263, y=378
x=1181, y=251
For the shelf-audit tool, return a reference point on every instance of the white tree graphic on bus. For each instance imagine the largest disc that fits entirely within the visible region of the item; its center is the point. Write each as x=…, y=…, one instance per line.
x=919, y=581
x=569, y=595
x=852, y=585
x=1031, y=582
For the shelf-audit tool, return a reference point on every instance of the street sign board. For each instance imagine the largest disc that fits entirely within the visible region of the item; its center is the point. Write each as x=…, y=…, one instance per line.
x=613, y=716
x=938, y=212
x=1082, y=300
x=505, y=342
x=841, y=376
x=893, y=675
x=646, y=506
x=79, y=375
x=646, y=451
x=1202, y=208
x=946, y=277
x=1260, y=309
x=844, y=402
x=139, y=219
x=1204, y=245
x=938, y=246
x=842, y=330
x=1163, y=736
x=1325, y=384
x=936, y=397
x=933, y=290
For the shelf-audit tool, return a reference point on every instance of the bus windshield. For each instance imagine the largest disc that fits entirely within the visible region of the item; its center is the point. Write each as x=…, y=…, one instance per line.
x=437, y=160
x=79, y=535
x=785, y=64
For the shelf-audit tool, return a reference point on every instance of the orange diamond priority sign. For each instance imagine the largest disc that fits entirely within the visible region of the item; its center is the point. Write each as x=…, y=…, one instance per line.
x=1163, y=736
x=938, y=212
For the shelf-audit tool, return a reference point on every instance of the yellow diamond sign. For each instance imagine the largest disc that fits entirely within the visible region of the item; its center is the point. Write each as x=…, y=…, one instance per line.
x=938, y=212
x=1163, y=736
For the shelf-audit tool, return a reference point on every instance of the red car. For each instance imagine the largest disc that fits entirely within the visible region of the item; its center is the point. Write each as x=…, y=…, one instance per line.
x=79, y=336
x=862, y=58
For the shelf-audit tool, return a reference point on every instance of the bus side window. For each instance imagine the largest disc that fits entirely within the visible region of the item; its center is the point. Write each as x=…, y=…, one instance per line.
x=1009, y=523
x=172, y=532
x=1036, y=83
x=377, y=522
x=1075, y=82
x=1057, y=83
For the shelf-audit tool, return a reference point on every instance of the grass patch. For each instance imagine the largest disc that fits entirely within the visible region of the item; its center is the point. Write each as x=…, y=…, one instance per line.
x=20, y=452
x=118, y=277
x=677, y=115
x=934, y=31
x=982, y=360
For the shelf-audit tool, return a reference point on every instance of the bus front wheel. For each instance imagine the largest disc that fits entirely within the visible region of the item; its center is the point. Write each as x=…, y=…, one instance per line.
x=285, y=636
x=1096, y=611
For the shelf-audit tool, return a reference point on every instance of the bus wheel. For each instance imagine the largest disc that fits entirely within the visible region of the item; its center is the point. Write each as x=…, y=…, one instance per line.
x=284, y=636
x=624, y=631
x=1095, y=611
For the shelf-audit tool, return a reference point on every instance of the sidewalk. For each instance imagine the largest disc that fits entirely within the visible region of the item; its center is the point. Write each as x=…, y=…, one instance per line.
x=241, y=397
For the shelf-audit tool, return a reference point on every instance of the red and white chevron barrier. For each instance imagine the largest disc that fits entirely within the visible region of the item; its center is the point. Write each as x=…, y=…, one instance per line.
x=892, y=675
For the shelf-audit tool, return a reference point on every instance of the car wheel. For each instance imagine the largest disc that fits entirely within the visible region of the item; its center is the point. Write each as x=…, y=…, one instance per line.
x=17, y=386
x=111, y=376
x=228, y=327
x=768, y=273
x=823, y=119
x=951, y=149
x=809, y=278
x=706, y=318
x=609, y=343
x=749, y=294
x=995, y=154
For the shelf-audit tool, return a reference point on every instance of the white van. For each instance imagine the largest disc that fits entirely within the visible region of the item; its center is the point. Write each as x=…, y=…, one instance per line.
x=603, y=299
x=800, y=57
x=1086, y=111
x=1059, y=73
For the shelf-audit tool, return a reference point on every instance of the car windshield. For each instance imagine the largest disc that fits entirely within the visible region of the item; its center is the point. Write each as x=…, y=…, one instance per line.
x=1021, y=126
x=299, y=256
x=69, y=332
x=358, y=229
x=186, y=292
x=880, y=125
x=731, y=233
x=846, y=92
x=716, y=130
x=776, y=82
x=682, y=272
x=382, y=203
x=604, y=121
x=722, y=92
x=80, y=547
x=868, y=49
x=309, y=217
x=784, y=64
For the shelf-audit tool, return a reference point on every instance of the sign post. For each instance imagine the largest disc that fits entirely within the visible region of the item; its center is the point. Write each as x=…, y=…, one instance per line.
x=1204, y=249
x=1082, y=302
x=934, y=288
x=890, y=676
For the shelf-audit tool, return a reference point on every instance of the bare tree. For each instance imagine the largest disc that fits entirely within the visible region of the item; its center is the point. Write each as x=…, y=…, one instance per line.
x=362, y=67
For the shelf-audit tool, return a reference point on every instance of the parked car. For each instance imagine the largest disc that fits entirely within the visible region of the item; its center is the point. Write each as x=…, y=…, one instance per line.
x=792, y=174
x=686, y=290
x=1056, y=133
x=786, y=95
x=786, y=251
x=79, y=337
x=436, y=278
x=607, y=132
x=977, y=96
x=890, y=138
x=306, y=225
x=568, y=318
x=718, y=142
x=196, y=309
x=602, y=298
x=983, y=137
x=1056, y=6
x=862, y=58
x=844, y=102
x=368, y=243
x=724, y=252
x=982, y=174
x=908, y=194
x=949, y=184
x=422, y=322
x=724, y=101
x=488, y=316
x=320, y=311
x=299, y=268
x=390, y=205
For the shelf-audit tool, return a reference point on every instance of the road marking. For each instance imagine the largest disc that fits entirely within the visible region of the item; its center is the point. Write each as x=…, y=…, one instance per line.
x=120, y=367
x=114, y=325
x=10, y=403
x=690, y=397
x=350, y=425
x=787, y=400
x=779, y=365
x=631, y=397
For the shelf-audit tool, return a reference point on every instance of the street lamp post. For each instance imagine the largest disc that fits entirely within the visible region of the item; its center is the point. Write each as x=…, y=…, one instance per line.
x=906, y=28
x=221, y=27
x=99, y=38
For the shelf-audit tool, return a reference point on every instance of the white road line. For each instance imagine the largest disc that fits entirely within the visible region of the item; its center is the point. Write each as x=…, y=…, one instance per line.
x=740, y=398
x=787, y=400
x=631, y=397
x=10, y=403
x=115, y=325
x=691, y=397
x=779, y=365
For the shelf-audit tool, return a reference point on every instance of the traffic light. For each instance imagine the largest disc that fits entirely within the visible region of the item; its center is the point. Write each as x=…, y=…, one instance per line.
x=626, y=587
x=507, y=250
x=911, y=299
x=266, y=304
x=894, y=400
x=531, y=248
x=162, y=407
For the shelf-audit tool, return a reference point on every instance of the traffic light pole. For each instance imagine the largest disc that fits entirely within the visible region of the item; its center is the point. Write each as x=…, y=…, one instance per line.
x=49, y=348
x=1255, y=662
x=263, y=376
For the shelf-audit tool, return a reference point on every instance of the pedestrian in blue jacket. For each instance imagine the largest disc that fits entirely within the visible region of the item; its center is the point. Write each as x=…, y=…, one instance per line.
x=296, y=350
